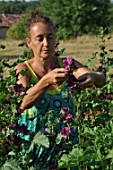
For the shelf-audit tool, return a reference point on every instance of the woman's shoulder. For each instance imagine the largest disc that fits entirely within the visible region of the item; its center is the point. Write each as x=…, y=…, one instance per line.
x=21, y=66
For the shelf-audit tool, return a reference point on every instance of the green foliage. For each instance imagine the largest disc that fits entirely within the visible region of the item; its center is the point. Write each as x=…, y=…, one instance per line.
x=94, y=110
x=18, y=30
x=72, y=18
x=40, y=139
x=77, y=17
x=11, y=165
x=95, y=119
x=17, y=7
x=12, y=32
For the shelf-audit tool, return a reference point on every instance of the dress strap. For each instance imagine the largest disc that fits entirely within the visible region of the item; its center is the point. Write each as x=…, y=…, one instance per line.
x=34, y=76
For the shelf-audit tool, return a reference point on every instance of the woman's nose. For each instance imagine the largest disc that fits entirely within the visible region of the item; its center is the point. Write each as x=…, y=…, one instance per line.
x=45, y=41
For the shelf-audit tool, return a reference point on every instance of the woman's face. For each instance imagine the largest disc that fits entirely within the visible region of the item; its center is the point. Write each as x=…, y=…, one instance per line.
x=42, y=40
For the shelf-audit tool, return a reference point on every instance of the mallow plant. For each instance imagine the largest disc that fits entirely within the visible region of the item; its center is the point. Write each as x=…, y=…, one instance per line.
x=94, y=121
x=94, y=117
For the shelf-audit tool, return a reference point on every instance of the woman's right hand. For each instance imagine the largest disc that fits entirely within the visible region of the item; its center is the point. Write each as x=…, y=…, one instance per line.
x=57, y=76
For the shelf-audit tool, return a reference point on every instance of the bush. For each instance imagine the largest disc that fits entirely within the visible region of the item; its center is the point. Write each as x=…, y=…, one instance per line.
x=94, y=109
x=18, y=30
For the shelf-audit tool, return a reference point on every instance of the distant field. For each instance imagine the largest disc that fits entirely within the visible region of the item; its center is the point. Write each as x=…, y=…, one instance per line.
x=80, y=48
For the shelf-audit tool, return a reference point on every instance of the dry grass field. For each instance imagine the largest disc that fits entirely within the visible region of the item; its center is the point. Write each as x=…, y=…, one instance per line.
x=81, y=48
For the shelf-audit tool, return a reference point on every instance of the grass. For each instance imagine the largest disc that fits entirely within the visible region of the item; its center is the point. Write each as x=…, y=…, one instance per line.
x=81, y=48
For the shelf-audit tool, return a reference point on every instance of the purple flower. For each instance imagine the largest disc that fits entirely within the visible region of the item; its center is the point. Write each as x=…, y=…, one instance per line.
x=67, y=68
x=20, y=110
x=66, y=117
x=4, y=128
x=10, y=112
x=102, y=62
x=9, y=86
x=107, y=96
x=10, y=96
x=65, y=131
x=18, y=88
x=15, y=139
x=46, y=130
x=65, y=63
x=100, y=46
x=23, y=129
x=56, y=54
x=53, y=134
x=70, y=93
x=69, y=60
x=102, y=69
x=65, y=139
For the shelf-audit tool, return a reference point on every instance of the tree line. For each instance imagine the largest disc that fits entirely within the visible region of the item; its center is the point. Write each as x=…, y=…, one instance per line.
x=72, y=18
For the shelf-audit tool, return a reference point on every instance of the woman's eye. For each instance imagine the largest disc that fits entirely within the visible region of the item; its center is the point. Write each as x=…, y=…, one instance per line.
x=40, y=39
x=50, y=37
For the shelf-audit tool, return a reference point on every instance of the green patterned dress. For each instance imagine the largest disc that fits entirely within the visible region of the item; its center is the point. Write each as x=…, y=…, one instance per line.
x=36, y=118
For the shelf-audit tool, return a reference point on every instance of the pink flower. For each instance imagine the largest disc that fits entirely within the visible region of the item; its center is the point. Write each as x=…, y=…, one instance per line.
x=53, y=134
x=10, y=96
x=46, y=130
x=65, y=131
x=20, y=110
x=66, y=117
x=69, y=60
x=71, y=93
x=67, y=68
x=65, y=63
x=18, y=88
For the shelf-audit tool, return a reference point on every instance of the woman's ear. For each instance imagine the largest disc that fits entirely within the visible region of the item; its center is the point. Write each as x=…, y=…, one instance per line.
x=28, y=42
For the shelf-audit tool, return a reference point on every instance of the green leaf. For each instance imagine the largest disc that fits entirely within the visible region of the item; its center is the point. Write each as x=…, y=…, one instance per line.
x=72, y=159
x=11, y=165
x=41, y=139
x=59, y=138
x=110, y=154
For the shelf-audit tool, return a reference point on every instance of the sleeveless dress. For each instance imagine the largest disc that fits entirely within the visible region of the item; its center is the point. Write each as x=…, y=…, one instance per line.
x=51, y=100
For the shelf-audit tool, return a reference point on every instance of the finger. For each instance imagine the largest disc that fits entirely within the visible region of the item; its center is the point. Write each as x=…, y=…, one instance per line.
x=60, y=70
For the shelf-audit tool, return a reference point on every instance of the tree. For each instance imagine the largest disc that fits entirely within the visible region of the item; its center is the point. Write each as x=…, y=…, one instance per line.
x=17, y=7
x=18, y=30
x=77, y=17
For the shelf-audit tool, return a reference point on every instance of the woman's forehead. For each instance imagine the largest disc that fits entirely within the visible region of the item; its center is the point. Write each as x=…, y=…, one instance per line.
x=41, y=27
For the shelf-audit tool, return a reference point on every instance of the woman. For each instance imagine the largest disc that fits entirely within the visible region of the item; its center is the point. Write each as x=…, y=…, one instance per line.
x=46, y=74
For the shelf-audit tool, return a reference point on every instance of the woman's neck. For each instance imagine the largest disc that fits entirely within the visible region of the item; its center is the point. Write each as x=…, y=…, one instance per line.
x=42, y=67
x=46, y=64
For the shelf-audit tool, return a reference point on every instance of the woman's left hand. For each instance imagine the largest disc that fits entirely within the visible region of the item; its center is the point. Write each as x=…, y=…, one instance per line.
x=86, y=80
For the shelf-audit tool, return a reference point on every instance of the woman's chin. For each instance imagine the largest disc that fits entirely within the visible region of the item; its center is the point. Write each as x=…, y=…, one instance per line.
x=47, y=55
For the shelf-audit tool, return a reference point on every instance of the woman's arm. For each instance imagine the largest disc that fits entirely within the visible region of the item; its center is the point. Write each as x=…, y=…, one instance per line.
x=56, y=76
x=88, y=76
